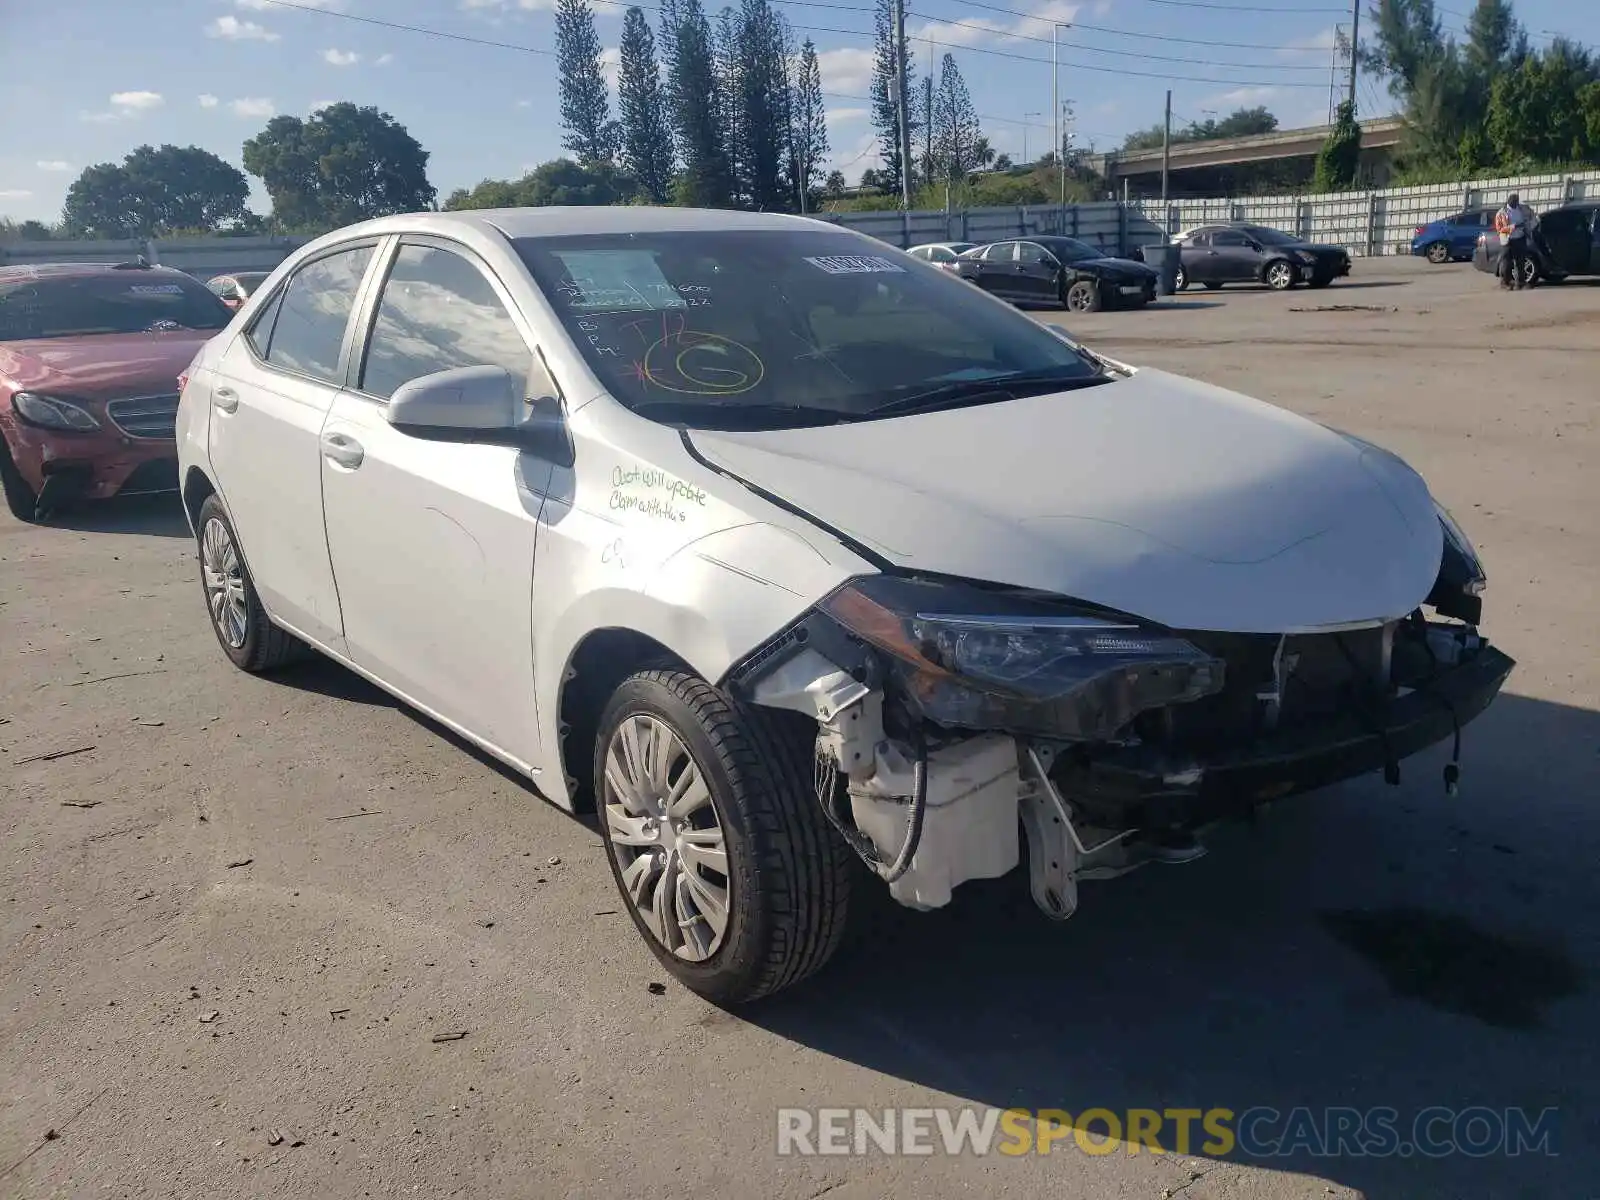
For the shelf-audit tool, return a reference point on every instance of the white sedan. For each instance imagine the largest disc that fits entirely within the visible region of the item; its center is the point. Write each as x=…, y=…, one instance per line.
x=780, y=550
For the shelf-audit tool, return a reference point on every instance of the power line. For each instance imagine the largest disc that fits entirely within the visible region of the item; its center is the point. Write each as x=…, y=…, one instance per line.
x=1257, y=8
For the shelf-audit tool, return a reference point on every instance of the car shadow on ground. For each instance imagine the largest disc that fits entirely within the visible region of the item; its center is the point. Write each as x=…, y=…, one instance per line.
x=159, y=515
x=1366, y=946
x=1339, y=285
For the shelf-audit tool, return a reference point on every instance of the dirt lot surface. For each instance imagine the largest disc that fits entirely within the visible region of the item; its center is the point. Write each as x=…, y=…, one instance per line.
x=1365, y=946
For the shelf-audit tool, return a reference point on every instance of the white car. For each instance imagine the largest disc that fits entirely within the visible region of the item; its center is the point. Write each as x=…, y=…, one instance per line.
x=942, y=254
x=785, y=550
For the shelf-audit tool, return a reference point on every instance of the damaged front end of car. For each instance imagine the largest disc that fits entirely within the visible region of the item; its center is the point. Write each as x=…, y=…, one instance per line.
x=949, y=711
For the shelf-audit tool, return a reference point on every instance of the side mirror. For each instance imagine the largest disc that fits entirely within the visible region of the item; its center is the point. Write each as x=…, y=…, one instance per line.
x=480, y=404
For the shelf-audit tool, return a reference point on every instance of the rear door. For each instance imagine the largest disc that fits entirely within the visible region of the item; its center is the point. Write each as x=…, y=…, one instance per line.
x=273, y=388
x=998, y=270
x=1037, y=274
x=1198, y=258
x=432, y=541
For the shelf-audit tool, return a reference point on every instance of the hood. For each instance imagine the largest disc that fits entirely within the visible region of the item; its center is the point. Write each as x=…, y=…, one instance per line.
x=1320, y=248
x=1159, y=496
x=1116, y=266
x=104, y=366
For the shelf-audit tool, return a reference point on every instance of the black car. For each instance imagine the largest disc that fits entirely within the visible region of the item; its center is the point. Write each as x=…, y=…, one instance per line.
x=1220, y=254
x=1564, y=241
x=1058, y=270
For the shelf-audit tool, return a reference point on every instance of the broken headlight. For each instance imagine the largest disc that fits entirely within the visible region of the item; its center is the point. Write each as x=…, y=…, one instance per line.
x=975, y=658
x=1459, y=589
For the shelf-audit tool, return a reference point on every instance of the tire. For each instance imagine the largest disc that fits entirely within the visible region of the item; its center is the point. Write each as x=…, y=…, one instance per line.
x=1438, y=253
x=1280, y=275
x=1181, y=282
x=244, y=631
x=1530, y=272
x=20, y=498
x=786, y=888
x=1082, y=296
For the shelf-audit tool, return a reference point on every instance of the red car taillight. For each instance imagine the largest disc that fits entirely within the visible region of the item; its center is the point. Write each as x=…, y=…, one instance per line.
x=1421, y=229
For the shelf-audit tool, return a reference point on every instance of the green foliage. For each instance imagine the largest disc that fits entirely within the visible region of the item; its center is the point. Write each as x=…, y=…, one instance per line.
x=956, y=135
x=560, y=181
x=808, y=127
x=1243, y=122
x=585, y=102
x=758, y=88
x=1538, y=111
x=343, y=164
x=155, y=191
x=694, y=98
x=646, y=138
x=1339, y=160
x=888, y=71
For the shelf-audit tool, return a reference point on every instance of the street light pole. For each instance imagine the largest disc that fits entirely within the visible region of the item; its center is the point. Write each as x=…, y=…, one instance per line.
x=1055, y=105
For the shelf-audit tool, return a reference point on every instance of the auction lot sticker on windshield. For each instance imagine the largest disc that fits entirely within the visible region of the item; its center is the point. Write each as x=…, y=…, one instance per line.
x=157, y=289
x=855, y=264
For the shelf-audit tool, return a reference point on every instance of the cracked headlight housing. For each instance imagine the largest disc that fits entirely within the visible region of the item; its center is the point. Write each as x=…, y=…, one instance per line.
x=973, y=657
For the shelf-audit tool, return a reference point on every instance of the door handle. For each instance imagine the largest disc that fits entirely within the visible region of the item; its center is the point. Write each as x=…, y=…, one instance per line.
x=342, y=450
x=225, y=398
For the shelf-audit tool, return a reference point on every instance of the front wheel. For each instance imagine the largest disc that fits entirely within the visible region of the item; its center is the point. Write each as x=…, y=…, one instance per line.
x=20, y=498
x=1181, y=281
x=245, y=632
x=1082, y=296
x=716, y=838
x=1438, y=253
x=1281, y=276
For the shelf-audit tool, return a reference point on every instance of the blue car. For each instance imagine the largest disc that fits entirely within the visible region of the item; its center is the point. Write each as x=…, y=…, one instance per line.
x=1454, y=238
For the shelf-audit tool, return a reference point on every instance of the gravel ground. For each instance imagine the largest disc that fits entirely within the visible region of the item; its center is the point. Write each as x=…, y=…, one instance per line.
x=237, y=906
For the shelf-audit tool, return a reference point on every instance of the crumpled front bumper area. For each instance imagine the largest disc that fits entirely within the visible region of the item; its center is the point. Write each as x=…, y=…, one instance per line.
x=1155, y=787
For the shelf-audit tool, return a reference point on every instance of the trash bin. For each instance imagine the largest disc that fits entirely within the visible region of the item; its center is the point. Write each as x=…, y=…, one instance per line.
x=1165, y=257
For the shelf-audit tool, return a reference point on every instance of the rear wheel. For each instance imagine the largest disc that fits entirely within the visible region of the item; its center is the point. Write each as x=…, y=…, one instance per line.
x=1181, y=281
x=716, y=838
x=1082, y=296
x=19, y=496
x=1281, y=275
x=1439, y=252
x=245, y=632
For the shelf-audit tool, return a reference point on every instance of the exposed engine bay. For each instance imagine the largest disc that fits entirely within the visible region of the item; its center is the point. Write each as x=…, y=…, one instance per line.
x=949, y=713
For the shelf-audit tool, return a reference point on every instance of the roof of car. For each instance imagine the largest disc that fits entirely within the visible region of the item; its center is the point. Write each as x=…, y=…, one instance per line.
x=568, y=221
x=47, y=270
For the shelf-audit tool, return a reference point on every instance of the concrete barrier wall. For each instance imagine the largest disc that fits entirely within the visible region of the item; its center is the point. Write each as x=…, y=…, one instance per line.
x=1372, y=222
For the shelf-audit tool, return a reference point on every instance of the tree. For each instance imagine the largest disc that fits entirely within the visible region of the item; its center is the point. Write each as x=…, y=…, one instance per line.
x=342, y=164
x=760, y=95
x=1538, y=113
x=835, y=184
x=154, y=191
x=560, y=181
x=694, y=97
x=808, y=128
x=1243, y=122
x=955, y=124
x=585, y=104
x=1339, y=160
x=888, y=70
x=646, y=139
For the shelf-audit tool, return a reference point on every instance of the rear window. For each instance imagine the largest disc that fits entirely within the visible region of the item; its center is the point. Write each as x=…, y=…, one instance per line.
x=54, y=306
x=762, y=328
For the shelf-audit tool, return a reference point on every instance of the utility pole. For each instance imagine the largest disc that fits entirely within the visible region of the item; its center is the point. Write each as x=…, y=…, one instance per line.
x=1355, y=48
x=1166, y=157
x=1055, y=103
x=1061, y=150
x=902, y=107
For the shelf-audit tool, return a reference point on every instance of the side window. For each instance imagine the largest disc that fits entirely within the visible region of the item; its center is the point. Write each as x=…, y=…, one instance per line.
x=1003, y=252
x=940, y=254
x=1028, y=252
x=1229, y=238
x=222, y=287
x=1200, y=240
x=313, y=313
x=438, y=312
x=921, y=252
x=260, y=331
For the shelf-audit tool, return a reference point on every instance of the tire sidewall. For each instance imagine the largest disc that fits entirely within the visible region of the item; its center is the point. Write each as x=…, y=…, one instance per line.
x=20, y=498
x=741, y=951
x=1082, y=285
x=255, y=625
x=1277, y=267
x=1438, y=253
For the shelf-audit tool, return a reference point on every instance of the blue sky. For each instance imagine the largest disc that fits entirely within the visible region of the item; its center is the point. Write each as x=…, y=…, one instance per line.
x=88, y=87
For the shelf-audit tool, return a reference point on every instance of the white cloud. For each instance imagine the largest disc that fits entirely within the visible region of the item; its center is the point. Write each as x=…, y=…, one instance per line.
x=1244, y=97
x=126, y=105
x=264, y=5
x=1318, y=44
x=318, y=105
x=207, y=100
x=231, y=29
x=340, y=58
x=503, y=5
x=252, y=106
x=860, y=156
x=383, y=60
x=975, y=30
x=14, y=193
x=524, y=103
x=847, y=69
x=53, y=164
x=610, y=65
x=847, y=116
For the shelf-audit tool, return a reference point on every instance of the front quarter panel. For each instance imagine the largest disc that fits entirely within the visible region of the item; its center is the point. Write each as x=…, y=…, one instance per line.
x=639, y=536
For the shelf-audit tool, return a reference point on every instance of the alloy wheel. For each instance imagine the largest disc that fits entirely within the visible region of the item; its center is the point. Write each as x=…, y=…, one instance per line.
x=662, y=826
x=1438, y=253
x=224, y=581
x=1280, y=275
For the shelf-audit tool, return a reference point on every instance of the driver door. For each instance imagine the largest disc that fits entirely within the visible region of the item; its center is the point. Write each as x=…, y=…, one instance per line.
x=1238, y=259
x=1037, y=273
x=432, y=542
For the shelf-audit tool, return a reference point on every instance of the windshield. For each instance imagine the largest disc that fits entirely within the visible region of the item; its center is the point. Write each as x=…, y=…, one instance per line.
x=745, y=329
x=251, y=280
x=123, y=302
x=1273, y=237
